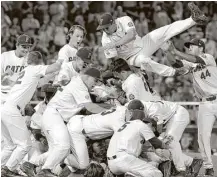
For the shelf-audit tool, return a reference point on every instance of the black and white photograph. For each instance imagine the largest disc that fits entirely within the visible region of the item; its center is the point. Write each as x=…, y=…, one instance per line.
x=108, y=88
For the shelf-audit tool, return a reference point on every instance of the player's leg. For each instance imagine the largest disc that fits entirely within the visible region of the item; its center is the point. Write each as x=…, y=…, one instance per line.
x=79, y=158
x=174, y=131
x=19, y=134
x=129, y=163
x=58, y=137
x=206, y=119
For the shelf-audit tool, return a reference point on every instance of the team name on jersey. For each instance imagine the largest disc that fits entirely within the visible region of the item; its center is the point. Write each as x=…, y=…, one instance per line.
x=15, y=69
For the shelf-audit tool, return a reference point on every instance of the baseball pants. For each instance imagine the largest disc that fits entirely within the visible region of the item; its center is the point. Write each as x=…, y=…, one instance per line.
x=57, y=136
x=79, y=158
x=153, y=41
x=206, y=117
x=128, y=163
x=17, y=141
x=174, y=130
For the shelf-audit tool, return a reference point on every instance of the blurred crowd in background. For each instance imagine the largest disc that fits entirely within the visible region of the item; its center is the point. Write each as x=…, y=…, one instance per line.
x=48, y=22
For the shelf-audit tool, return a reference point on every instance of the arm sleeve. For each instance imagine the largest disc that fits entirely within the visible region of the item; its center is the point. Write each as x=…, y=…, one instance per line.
x=146, y=132
x=127, y=23
x=162, y=70
x=133, y=89
x=207, y=59
x=62, y=55
x=81, y=94
x=109, y=53
x=40, y=70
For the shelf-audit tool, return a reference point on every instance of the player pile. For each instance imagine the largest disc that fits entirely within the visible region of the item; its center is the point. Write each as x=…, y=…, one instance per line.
x=104, y=121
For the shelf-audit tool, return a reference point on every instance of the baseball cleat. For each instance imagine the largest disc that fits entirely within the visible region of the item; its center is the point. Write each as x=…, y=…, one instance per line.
x=5, y=172
x=45, y=173
x=28, y=168
x=197, y=15
x=194, y=168
x=165, y=168
x=209, y=172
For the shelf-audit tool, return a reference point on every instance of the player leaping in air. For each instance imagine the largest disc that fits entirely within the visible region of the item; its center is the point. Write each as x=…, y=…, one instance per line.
x=121, y=40
x=202, y=67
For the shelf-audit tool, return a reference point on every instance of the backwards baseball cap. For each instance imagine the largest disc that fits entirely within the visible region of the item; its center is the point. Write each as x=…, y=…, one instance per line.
x=85, y=54
x=196, y=42
x=93, y=72
x=34, y=57
x=119, y=65
x=24, y=40
x=105, y=21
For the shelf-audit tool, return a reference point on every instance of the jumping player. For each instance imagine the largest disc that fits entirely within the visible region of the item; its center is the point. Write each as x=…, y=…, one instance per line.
x=121, y=40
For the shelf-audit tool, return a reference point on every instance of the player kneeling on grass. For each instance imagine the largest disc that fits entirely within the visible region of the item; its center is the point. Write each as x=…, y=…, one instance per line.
x=14, y=127
x=126, y=145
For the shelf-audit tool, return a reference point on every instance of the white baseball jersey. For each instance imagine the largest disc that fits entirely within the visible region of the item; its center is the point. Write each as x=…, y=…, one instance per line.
x=204, y=76
x=10, y=61
x=124, y=24
x=36, y=117
x=136, y=88
x=66, y=53
x=69, y=101
x=130, y=138
x=67, y=72
x=161, y=111
x=102, y=125
x=26, y=85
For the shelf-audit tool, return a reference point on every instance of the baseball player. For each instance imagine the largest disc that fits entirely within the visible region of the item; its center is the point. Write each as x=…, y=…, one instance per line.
x=126, y=145
x=12, y=63
x=120, y=39
x=76, y=64
x=204, y=73
x=14, y=127
x=175, y=118
x=75, y=36
x=94, y=127
x=66, y=103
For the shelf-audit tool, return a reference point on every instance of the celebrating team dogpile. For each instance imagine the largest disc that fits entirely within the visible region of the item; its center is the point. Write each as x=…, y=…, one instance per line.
x=109, y=122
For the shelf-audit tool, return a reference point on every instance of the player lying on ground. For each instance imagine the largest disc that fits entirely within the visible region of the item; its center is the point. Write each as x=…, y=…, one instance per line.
x=121, y=40
x=202, y=67
x=14, y=128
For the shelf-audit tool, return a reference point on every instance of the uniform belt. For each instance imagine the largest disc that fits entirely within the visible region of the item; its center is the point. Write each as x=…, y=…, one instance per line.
x=112, y=158
x=211, y=98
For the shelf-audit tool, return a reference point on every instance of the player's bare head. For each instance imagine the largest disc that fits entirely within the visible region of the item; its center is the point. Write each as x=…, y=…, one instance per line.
x=195, y=46
x=23, y=45
x=107, y=24
x=135, y=110
x=121, y=69
x=90, y=77
x=75, y=35
x=94, y=170
x=83, y=58
x=34, y=58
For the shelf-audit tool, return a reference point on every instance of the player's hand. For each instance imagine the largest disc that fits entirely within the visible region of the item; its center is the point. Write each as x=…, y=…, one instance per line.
x=165, y=154
x=9, y=72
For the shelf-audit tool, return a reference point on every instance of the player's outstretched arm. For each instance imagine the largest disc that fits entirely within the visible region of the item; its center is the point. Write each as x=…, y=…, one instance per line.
x=54, y=67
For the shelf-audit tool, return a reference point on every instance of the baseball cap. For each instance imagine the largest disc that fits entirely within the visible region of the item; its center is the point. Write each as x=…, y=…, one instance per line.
x=196, y=42
x=105, y=21
x=85, y=54
x=93, y=72
x=119, y=65
x=34, y=57
x=135, y=104
x=24, y=40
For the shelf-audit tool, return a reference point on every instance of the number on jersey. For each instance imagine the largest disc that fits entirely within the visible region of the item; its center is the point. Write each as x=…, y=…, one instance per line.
x=108, y=112
x=205, y=74
x=19, y=79
x=123, y=126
